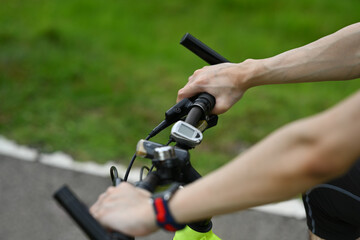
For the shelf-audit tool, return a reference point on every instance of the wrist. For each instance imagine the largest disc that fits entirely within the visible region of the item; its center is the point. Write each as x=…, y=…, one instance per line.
x=251, y=73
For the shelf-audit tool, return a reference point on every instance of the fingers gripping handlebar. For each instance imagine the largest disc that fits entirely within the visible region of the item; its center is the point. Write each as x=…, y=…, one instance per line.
x=204, y=101
x=79, y=212
x=183, y=107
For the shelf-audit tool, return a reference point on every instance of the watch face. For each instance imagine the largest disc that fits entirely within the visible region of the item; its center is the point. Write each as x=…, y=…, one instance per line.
x=185, y=130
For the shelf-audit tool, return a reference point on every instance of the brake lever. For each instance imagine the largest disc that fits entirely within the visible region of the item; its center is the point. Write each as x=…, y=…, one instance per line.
x=115, y=179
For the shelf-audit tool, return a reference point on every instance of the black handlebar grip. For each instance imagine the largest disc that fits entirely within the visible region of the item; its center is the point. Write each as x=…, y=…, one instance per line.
x=79, y=212
x=202, y=50
x=205, y=101
x=203, y=105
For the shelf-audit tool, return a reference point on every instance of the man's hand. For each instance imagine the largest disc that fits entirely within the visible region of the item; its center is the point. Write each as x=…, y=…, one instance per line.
x=125, y=209
x=227, y=82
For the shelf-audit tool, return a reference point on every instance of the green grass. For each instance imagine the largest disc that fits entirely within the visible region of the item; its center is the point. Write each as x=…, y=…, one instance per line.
x=91, y=77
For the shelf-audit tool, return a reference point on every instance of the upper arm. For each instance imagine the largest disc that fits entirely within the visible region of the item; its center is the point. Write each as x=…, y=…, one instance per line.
x=337, y=137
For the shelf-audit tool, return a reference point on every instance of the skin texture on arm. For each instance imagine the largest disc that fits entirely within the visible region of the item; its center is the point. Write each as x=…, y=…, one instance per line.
x=334, y=57
x=286, y=163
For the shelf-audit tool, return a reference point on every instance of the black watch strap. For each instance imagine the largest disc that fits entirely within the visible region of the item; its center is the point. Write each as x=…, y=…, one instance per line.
x=164, y=218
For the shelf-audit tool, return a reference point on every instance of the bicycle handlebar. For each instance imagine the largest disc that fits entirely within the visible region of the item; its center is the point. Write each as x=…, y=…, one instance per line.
x=79, y=212
x=200, y=49
x=202, y=106
x=205, y=101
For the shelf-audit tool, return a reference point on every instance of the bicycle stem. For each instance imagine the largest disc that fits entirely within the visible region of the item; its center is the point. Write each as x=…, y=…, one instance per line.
x=202, y=106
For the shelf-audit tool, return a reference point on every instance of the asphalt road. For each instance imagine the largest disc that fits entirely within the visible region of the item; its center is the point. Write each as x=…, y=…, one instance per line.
x=28, y=211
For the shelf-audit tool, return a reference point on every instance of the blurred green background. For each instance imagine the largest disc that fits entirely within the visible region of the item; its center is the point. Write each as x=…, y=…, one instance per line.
x=92, y=77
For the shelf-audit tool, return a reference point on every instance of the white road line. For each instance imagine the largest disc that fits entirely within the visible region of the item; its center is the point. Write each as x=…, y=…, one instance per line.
x=291, y=208
x=10, y=148
x=62, y=160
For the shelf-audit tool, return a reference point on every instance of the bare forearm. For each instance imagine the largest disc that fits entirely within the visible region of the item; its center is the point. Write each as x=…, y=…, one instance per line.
x=259, y=176
x=285, y=164
x=334, y=57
